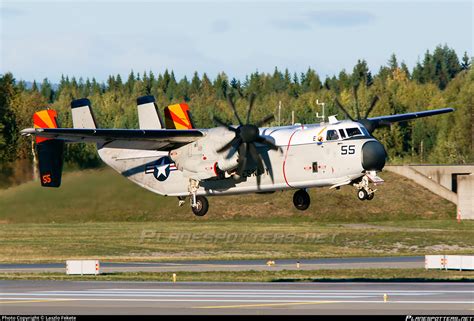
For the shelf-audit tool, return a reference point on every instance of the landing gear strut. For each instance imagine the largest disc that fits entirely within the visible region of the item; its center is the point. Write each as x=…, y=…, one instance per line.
x=301, y=200
x=199, y=204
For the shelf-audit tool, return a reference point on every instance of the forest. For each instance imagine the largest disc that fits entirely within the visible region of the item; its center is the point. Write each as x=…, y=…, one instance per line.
x=440, y=79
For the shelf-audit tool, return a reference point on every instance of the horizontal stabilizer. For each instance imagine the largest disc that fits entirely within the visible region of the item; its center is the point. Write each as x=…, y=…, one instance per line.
x=150, y=139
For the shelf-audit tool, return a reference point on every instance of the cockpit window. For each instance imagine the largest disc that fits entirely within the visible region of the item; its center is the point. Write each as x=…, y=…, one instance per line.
x=353, y=131
x=332, y=135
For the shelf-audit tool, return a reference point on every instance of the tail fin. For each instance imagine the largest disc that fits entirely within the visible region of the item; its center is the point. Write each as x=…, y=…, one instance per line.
x=50, y=151
x=178, y=117
x=148, y=115
x=82, y=116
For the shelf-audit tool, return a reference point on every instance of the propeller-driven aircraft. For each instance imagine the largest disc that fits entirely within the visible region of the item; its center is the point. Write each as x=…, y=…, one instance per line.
x=173, y=158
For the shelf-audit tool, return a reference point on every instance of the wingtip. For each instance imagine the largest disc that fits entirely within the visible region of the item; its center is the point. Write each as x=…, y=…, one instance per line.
x=28, y=131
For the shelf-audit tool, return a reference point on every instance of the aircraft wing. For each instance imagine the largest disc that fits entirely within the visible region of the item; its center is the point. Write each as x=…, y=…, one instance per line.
x=408, y=116
x=375, y=122
x=149, y=139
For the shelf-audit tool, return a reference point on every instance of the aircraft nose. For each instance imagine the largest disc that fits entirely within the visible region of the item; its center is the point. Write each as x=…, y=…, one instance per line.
x=373, y=156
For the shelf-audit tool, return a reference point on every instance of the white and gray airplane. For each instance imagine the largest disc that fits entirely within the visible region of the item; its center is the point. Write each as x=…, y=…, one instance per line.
x=173, y=158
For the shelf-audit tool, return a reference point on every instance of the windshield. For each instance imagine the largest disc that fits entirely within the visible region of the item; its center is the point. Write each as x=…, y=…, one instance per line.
x=354, y=131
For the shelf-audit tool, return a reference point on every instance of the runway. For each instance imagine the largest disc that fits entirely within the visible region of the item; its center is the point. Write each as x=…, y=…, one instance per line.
x=67, y=297
x=235, y=265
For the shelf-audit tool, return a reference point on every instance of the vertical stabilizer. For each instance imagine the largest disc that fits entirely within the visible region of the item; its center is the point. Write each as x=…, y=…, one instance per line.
x=178, y=116
x=50, y=151
x=82, y=116
x=148, y=115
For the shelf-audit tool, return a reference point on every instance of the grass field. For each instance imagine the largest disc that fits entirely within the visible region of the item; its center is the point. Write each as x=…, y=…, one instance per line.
x=355, y=275
x=99, y=214
x=106, y=196
x=158, y=241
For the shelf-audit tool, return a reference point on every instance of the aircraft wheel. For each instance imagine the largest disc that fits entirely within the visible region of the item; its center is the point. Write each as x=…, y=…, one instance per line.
x=202, y=205
x=301, y=200
x=362, y=194
x=370, y=196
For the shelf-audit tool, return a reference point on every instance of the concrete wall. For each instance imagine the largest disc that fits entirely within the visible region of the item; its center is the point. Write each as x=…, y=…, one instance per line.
x=442, y=174
x=466, y=196
x=424, y=181
x=439, y=180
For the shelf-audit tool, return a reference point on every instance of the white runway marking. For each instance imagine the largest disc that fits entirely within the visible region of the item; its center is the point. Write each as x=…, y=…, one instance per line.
x=234, y=295
x=227, y=300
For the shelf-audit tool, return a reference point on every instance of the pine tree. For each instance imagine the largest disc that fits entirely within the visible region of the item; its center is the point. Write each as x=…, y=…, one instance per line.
x=195, y=84
x=392, y=62
x=34, y=86
x=46, y=90
x=8, y=127
x=466, y=61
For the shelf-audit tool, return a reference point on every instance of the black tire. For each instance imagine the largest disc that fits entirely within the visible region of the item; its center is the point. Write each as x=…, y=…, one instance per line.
x=202, y=206
x=362, y=194
x=370, y=196
x=301, y=200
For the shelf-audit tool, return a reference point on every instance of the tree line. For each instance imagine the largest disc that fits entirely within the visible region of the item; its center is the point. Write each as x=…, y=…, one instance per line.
x=440, y=79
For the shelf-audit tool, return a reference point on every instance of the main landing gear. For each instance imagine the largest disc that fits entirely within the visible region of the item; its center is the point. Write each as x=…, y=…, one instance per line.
x=301, y=200
x=199, y=204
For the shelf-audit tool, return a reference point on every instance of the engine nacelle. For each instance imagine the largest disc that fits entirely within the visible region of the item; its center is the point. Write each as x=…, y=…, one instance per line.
x=226, y=164
x=199, y=160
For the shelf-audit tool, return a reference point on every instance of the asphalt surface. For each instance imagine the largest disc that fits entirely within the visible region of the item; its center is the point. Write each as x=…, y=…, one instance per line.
x=67, y=297
x=239, y=265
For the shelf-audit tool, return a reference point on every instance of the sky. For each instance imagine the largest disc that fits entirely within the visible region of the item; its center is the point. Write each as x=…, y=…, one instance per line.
x=97, y=38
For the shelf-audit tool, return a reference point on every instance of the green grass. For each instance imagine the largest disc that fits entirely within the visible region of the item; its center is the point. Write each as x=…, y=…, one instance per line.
x=106, y=196
x=99, y=214
x=159, y=241
x=373, y=275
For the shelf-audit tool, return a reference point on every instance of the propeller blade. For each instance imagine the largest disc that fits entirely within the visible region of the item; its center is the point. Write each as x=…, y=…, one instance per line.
x=338, y=104
x=258, y=160
x=235, y=140
x=242, y=159
x=372, y=105
x=251, y=101
x=223, y=124
x=239, y=91
x=263, y=140
x=232, y=105
x=356, y=97
x=265, y=120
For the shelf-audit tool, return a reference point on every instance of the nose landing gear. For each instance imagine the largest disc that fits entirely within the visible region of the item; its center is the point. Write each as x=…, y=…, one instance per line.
x=364, y=192
x=301, y=200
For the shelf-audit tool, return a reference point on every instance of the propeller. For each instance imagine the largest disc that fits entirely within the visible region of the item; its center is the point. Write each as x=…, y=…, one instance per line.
x=246, y=135
x=369, y=124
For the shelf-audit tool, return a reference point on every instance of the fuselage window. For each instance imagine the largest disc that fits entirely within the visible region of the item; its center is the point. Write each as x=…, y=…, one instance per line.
x=353, y=131
x=332, y=135
x=343, y=134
